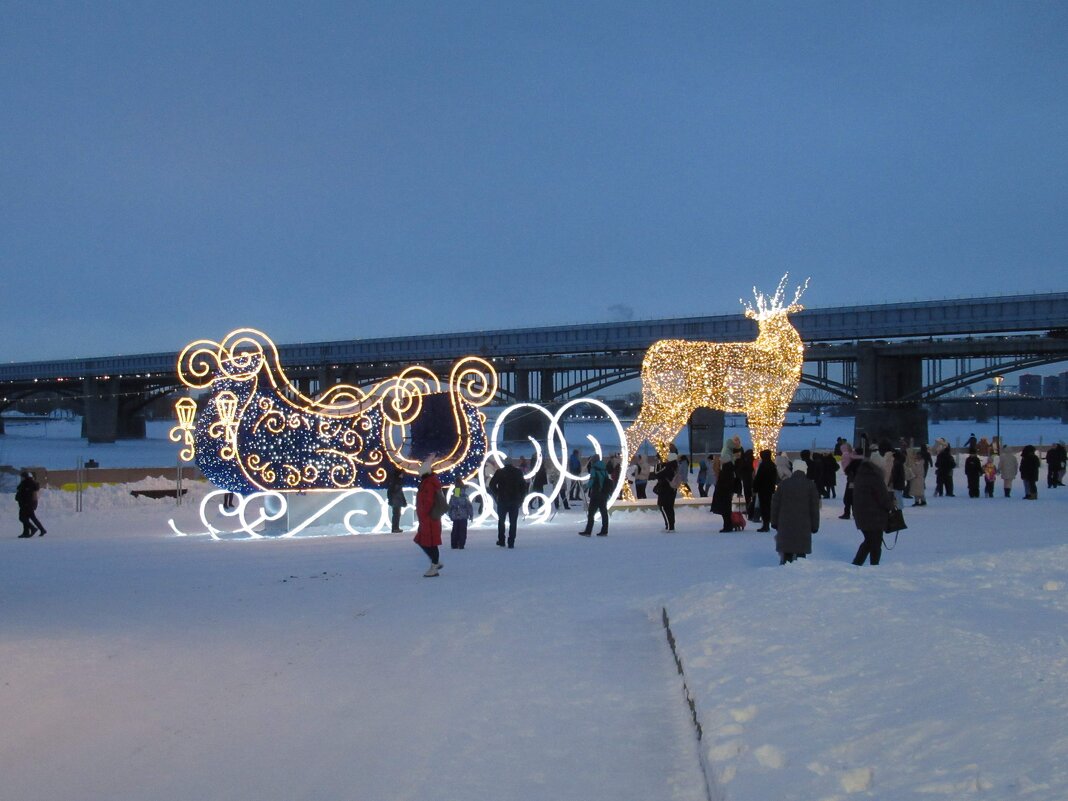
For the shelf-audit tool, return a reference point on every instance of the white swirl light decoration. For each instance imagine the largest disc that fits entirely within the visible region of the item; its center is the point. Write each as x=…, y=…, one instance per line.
x=248, y=502
x=262, y=503
x=557, y=454
x=624, y=450
x=545, y=511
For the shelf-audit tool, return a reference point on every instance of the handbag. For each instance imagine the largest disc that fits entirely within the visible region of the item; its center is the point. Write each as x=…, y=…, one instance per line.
x=895, y=521
x=895, y=524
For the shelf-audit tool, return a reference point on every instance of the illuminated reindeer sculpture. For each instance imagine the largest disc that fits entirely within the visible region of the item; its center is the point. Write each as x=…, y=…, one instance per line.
x=756, y=378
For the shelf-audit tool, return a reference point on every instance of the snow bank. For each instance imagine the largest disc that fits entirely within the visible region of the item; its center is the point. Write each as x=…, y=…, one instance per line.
x=939, y=673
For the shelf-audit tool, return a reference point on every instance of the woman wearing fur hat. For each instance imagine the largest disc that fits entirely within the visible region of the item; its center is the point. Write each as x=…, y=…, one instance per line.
x=428, y=537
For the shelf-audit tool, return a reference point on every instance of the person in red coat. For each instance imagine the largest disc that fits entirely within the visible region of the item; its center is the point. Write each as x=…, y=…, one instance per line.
x=428, y=536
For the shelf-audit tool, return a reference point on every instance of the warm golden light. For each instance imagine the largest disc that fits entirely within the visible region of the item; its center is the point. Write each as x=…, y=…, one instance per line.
x=186, y=409
x=756, y=378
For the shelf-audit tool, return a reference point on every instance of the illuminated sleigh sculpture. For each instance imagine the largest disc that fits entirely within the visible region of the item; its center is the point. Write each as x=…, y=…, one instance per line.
x=256, y=434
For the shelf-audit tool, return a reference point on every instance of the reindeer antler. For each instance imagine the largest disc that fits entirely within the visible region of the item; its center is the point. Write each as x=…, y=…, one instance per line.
x=765, y=307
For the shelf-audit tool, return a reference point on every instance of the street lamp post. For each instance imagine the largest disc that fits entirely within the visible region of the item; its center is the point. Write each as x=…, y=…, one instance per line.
x=997, y=407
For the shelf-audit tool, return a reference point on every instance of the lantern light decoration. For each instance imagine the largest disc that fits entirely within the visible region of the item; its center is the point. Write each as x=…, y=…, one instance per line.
x=756, y=378
x=186, y=408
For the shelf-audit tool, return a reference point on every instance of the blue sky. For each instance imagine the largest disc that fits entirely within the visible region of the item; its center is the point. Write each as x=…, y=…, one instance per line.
x=323, y=171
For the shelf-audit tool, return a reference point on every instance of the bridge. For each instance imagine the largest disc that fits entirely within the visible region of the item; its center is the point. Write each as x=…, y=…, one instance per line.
x=887, y=359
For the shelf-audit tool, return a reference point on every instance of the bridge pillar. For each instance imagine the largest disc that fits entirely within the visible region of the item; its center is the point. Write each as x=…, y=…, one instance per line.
x=881, y=382
x=528, y=422
x=522, y=385
x=100, y=422
x=548, y=390
x=106, y=418
x=130, y=424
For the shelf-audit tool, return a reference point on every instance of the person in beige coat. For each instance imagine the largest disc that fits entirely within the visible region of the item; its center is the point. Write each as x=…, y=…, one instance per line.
x=1008, y=466
x=917, y=485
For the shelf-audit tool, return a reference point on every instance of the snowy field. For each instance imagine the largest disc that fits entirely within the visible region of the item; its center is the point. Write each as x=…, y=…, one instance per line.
x=139, y=665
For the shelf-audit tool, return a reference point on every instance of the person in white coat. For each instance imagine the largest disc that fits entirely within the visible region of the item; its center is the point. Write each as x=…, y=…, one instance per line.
x=1008, y=466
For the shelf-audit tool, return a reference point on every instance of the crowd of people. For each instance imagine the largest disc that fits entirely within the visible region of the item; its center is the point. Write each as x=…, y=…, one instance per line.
x=780, y=493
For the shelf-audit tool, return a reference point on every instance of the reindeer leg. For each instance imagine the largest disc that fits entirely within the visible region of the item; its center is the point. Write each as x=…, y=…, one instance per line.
x=635, y=435
x=765, y=431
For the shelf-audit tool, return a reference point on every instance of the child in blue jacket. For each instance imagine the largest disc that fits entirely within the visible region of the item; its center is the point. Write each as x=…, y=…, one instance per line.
x=460, y=511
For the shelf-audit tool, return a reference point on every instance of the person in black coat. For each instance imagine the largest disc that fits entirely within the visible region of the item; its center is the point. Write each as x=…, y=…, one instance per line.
x=829, y=474
x=723, y=495
x=973, y=470
x=395, y=498
x=26, y=498
x=850, y=476
x=814, y=469
x=872, y=503
x=665, y=493
x=508, y=488
x=1029, y=467
x=944, y=466
x=795, y=515
x=764, y=483
x=898, y=482
x=743, y=473
x=1055, y=459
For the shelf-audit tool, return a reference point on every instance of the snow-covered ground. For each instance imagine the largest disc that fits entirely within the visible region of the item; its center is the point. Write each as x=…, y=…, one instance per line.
x=139, y=665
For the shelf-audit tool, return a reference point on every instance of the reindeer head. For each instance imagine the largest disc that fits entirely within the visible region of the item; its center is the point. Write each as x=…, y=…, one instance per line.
x=768, y=308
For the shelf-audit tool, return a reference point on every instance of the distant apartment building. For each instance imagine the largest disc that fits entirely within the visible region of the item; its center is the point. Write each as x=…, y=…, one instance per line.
x=1047, y=391
x=1051, y=386
x=1031, y=385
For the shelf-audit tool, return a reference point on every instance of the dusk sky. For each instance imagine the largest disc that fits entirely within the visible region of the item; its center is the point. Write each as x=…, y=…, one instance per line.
x=323, y=171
